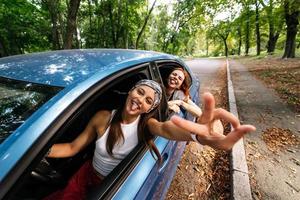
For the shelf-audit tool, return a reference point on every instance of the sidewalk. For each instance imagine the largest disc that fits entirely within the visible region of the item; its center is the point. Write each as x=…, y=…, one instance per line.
x=272, y=176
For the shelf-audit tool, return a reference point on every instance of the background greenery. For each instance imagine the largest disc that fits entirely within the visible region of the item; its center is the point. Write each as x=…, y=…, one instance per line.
x=181, y=27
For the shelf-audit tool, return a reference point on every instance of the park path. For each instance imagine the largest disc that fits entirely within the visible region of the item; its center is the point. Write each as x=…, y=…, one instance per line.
x=273, y=175
x=207, y=71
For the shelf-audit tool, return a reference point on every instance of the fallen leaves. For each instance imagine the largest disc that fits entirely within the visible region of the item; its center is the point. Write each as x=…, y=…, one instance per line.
x=278, y=139
x=283, y=76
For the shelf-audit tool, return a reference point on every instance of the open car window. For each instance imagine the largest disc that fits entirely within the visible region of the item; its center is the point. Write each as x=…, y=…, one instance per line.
x=46, y=175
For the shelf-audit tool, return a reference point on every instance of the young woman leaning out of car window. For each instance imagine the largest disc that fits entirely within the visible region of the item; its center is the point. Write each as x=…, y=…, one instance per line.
x=177, y=88
x=117, y=132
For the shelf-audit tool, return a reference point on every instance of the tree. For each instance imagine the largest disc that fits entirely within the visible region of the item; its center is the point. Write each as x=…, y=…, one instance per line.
x=247, y=15
x=71, y=23
x=183, y=13
x=23, y=28
x=144, y=25
x=53, y=8
x=257, y=31
x=222, y=30
x=275, y=23
x=292, y=12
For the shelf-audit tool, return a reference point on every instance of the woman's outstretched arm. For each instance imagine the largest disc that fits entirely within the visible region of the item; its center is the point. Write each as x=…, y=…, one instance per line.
x=63, y=150
x=181, y=129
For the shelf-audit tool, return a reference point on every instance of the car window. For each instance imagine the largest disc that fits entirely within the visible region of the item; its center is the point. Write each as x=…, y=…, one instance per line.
x=18, y=100
x=49, y=175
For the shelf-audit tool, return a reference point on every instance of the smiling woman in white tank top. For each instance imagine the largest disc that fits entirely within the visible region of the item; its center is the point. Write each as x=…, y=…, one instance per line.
x=104, y=163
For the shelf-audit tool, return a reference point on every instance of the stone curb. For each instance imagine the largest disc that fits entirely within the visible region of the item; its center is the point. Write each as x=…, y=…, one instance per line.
x=240, y=184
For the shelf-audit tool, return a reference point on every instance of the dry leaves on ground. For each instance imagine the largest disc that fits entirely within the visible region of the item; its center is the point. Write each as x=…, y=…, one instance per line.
x=281, y=75
x=279, y=139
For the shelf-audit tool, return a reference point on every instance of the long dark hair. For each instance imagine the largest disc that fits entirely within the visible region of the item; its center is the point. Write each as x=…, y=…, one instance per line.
x=115, y=134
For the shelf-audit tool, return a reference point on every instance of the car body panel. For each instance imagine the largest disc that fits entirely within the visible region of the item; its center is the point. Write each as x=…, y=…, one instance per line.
x=63, y=68
x=136, y=179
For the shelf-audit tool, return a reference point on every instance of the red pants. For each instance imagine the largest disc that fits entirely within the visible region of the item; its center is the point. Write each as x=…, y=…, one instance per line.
x=78, y=185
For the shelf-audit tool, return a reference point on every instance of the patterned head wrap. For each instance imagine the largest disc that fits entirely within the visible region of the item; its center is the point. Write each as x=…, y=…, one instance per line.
x=157, y=91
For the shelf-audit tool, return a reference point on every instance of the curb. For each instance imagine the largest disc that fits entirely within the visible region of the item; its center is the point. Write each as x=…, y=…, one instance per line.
x=240, y=184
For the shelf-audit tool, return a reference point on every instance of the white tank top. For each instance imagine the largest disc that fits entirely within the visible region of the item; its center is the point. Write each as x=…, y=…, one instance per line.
x=102, y=161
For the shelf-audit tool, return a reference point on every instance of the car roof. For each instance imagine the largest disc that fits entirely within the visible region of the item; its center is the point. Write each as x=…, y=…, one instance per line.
x=65, y=67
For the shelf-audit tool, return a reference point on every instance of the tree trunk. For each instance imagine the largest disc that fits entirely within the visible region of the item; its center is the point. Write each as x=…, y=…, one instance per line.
x=247, y=32
x=226, y=47
x=53, y=11
x=89, y=39
x=71, y=23
x=270, y=45
x=144, y=25
x=291, y=18
x=126, y=26
x=207, y=46
x=239, y=30
x=61, y=29
x=113, y=32
x=257, y=28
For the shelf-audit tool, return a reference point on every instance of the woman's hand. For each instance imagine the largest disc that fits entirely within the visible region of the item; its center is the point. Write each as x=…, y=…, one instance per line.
x=212, y=136
x=174, y=105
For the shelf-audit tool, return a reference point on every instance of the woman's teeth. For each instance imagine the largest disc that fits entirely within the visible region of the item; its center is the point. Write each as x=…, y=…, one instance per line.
x=173, y=81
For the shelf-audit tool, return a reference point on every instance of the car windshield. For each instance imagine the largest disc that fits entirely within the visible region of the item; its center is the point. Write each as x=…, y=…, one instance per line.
x=18, y=100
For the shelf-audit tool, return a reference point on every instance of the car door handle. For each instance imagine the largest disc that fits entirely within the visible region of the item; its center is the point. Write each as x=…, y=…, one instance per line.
x=164, y=162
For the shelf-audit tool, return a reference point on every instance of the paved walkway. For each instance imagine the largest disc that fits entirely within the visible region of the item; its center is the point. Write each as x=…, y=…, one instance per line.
x=272, y=176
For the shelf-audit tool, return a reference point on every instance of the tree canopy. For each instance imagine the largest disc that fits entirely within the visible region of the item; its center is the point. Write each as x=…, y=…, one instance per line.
x=182, y=27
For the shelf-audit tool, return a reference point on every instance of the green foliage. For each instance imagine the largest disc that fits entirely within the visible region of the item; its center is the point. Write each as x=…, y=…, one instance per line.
x=23, y=27
x=182, y=27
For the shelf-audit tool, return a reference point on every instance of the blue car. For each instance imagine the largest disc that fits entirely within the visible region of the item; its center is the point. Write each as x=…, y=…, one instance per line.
x=49, y=97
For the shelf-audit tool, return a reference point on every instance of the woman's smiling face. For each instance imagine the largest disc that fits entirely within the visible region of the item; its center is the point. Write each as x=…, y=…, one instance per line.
x=176, y=79
x=140, y=100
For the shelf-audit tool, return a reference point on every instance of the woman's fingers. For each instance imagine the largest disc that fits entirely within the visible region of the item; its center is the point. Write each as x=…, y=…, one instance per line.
x=209, y=106
x=238, y=133
x=190, y=126
x=220, y=113
x=218, y=141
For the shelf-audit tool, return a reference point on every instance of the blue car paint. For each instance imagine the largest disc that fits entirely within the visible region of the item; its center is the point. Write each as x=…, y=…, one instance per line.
x=135, y=180
x=18, y=143
x=59, y=68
